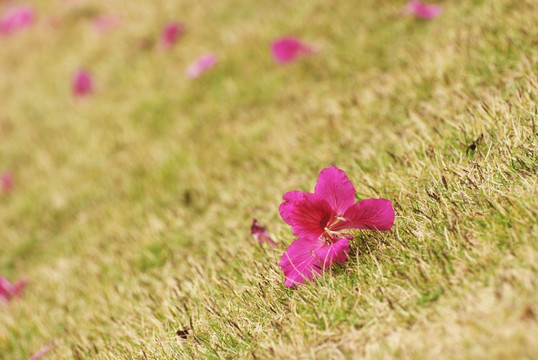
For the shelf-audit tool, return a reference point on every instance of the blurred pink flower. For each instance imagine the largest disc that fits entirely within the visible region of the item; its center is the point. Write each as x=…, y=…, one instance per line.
x=288, y=49
x=260, y=233
x=424, y=11
x=82, y=83
x=103, y=23
x=318, y=218
x=45, y=349
x=201, y=65
x=8, y=291
x=16, y=18
x=171, y=34
x=6, y=182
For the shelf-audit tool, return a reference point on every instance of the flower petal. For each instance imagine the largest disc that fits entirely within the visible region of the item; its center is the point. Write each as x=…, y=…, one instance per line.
x=201, y=65
x=334, y=253
x=16, y=18
x=8, y=290
x=260, y=233
x=375, y=214
x=288, y=49
x=310, y=216
x=299, y=262
x=6, y=182
x=82, y=83
x=290, y=199
x=424, y=11
x=336, y=189
x=170, y=34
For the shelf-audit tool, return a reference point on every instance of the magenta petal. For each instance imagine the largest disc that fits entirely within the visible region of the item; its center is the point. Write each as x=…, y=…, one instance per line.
x=375, y=214
x=171, y=34
x=43, y=351
x=16, y=18
x=299, y=262
x=8, y=290
x=82, y=83
x=6, y=182
x=310, y=216
x=424, y=11
x=336, y=189
x=260, y=233
x=290, y=199
x=288, y=49
x=334, y=253
x=201, y=65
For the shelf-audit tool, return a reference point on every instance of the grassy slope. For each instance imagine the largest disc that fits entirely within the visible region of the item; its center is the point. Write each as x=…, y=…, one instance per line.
x=132, y=209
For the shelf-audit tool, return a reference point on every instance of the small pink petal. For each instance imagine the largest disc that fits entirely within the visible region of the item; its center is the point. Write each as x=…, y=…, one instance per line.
x=43, y=351
x=171, y=34
x=82, y=83
x=8, y=291
x=201, y=65
x=424, y=11
x=103, y=23
x=260, y=233
x=300, y=263
x=6, y=182
x=288, y=49
x=16, y=18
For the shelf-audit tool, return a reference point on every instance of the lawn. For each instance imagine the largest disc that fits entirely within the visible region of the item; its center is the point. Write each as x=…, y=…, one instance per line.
x=131, y=207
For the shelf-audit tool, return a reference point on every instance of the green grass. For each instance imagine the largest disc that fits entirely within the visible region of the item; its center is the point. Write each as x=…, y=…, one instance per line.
x=132, y=208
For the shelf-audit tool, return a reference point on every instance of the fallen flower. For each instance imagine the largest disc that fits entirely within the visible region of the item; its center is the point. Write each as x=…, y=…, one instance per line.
x=260, y=233
x=171, y=34
x=82, y=83
x=8, y=291
x=318, y=218
x=43, y=351
x=6, y=182
x=201, y=65
x=16, y=18
x=424, y=11
x=288, y=49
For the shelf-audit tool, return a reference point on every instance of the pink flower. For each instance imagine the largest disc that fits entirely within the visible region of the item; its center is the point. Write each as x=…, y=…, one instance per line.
x=45, y=349
x=424, y=11
x=16, y=18
x=103, y=23
x=6, y=182
x=8, y=291
x=260, y=233
x=201, y=65
x=171, y=34
x=288, y=49
x=318, y=218
x=82, y=83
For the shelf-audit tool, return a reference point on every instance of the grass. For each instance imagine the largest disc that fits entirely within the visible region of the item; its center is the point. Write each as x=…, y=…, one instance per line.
x=132, y=208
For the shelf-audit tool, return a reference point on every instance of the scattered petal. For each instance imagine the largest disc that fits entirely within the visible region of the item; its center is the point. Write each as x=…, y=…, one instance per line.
x=424, y=11
x=82, y=83
x=171, y=34
x=288, y=49
x=8, y=291
x=6, y=182
x=260, y=233
x=43, y=351
x=104, y=23
x=201, y=65
x=16, y=18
